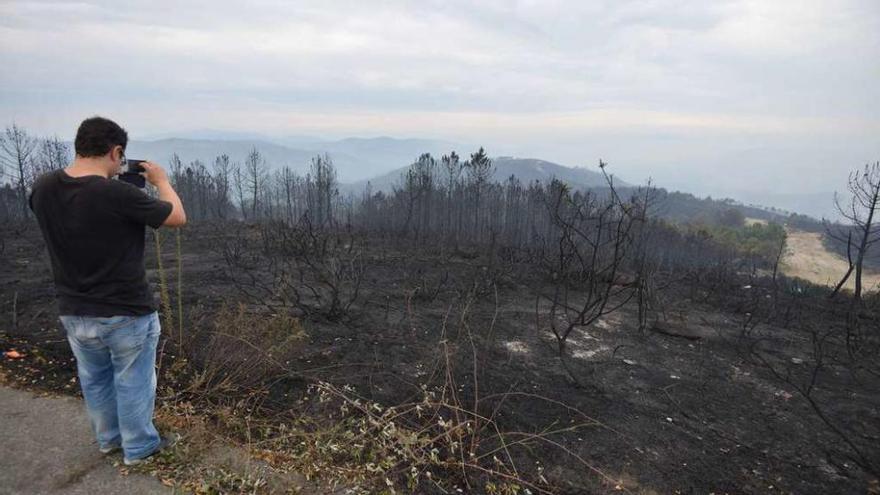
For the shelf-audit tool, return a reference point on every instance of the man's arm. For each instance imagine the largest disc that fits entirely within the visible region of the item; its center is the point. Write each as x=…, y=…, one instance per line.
x=156, y=176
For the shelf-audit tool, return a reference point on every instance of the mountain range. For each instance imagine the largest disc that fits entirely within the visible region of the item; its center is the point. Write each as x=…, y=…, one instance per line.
x=381, y=161
x=355, y=158
x=525, y=169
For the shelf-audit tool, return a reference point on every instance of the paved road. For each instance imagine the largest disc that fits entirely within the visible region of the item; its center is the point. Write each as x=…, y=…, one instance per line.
x=47, y=447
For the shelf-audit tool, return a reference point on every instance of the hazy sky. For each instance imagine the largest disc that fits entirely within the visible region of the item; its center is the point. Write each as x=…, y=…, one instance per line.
x=721, y=95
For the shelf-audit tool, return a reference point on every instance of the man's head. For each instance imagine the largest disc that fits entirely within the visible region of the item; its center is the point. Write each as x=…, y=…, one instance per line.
x=101, y=141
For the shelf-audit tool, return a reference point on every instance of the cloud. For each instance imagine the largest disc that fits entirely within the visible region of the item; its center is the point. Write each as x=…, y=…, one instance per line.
x=532, y=56
x=657, y=78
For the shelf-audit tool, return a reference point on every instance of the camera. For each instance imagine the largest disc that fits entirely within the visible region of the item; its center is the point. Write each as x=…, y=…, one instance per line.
x=132, y=173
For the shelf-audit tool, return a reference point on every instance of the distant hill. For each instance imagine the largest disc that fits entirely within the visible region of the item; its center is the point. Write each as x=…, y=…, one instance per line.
x=207, y=149
x=685, y=208
x=382, y=160
x=355, y=158
x=531, y=169
x=221, y=135
x=525, y=169
x=815, y=204
x=384, y=153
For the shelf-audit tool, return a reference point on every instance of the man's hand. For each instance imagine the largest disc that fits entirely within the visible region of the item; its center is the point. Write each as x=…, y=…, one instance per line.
x=154, y=173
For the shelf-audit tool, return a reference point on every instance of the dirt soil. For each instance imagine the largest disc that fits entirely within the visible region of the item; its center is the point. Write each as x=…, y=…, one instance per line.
x=679, y=413
x=810, y=260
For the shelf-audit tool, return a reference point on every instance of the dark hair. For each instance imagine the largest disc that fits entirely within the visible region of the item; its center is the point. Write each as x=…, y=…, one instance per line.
x=96, y=136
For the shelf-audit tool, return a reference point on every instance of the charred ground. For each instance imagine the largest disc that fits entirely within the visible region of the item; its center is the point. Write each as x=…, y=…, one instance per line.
x=707, y=398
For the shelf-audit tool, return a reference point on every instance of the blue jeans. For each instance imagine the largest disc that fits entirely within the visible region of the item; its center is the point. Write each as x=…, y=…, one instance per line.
x=116, y=359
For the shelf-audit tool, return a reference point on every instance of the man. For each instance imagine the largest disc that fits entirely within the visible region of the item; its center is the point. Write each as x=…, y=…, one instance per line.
x=94, y=230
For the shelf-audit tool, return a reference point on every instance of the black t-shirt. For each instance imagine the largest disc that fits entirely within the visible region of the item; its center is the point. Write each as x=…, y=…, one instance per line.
x=94, y=230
